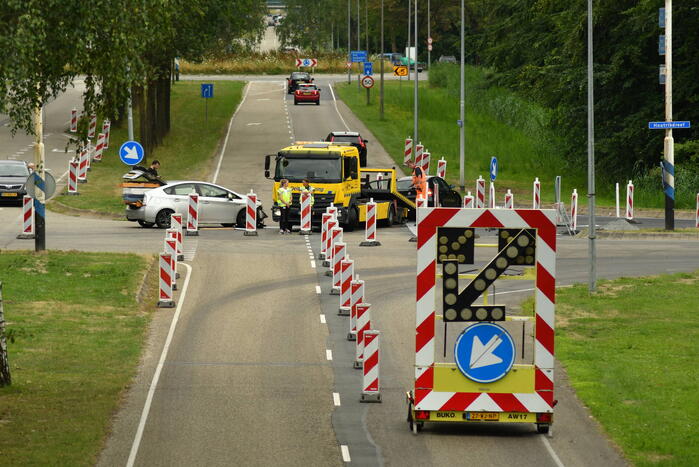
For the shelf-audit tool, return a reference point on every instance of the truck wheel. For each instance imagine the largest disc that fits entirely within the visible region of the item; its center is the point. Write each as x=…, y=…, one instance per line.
x=390, y=220
x=352, y=219
x=162, y=219
x=144, y=224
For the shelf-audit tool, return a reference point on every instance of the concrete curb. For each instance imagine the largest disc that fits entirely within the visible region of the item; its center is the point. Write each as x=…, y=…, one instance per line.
x=618, y=235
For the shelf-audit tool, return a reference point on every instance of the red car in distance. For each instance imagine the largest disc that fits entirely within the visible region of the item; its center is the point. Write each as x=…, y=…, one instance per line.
x=307, y=93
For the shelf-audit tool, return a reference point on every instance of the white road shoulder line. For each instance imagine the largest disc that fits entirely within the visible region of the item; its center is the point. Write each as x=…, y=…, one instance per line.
x=322, y=319
x=318, y=291
x=336, y=399
x=158, y=370
x=225, y=141
x=549, y=448
x=328, y=354
x=345, y=453
x=336, y=109
x=313, y=264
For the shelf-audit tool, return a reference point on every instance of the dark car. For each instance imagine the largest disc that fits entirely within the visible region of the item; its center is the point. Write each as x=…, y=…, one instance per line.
x=296, y=78
x=353, y=138
x=448, y=197
x=13, y=178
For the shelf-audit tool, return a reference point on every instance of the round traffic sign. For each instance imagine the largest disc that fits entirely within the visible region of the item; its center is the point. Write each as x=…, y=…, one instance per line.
x=368, y=82
x=131, y=153
x=429, y=47
x=429, y=40
x=484, y=352
x=48, y=184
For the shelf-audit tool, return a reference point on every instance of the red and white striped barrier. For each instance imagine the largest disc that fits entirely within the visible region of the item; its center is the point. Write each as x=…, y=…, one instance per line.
x=574, y=210
x=617, y=199
x=193, y=215
x=426, y=162
x=305, y=217
x=339, y=252
x=324, y=219
x=491, y=195
x=176, y=225
x=363, y=324
x=92, y=127
x=536, y=194
x=73, y=177
x=27, y=218
x=408, y=151
x=509, y=200
x=421, y=202
x=82, y=166
x=356, y=297
x=90, y=153
x=480, y=193
x=370, y=225
x=170, y=249
x=74, y=120
x=346, y=276
x=629, y=201
x=99, y=148
x=696, y=222
x=419, y=152
x=250, y=215
x=334, y=232
x=106, y=129
x=468, y=201
x=442, y=168
x=370, y=382
x=165, y=282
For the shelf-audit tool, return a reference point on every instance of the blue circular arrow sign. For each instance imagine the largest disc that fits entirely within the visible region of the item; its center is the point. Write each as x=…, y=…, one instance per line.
x=131, y=153
x=493, y=168
x=484, y=352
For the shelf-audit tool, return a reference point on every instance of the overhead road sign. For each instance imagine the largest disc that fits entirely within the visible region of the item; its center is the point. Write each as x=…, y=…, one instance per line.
x=368, y=82
x=400, y=70
x=47, y=184
x=368, y=68
x=207, y=91
x=312, y=62
x=358, y=56
x=131, y=153
x=484, y=352
x=493, y=168
x=668, y=125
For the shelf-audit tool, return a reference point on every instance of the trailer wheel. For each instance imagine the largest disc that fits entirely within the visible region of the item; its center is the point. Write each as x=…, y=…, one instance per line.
x=391, y=219
x=542, y=428
x=352, y=219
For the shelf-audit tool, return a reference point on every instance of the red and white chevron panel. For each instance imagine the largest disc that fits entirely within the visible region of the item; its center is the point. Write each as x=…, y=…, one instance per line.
x=346, y=276
x=193, y=215
x=165, y=282
x=251, y=212
x=339, y=252
x=541, y=400
x=408, y=151
x=442, y=168
x=356, y=297
x=370, y=380
x=305, y=216
x=480, y=193
x=363, y=324
x=629, y=200
x=370, y=227
x=536, y=194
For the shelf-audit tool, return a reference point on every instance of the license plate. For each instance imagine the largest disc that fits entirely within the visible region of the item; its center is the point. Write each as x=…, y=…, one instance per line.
x=10, y=195
x=490, y=416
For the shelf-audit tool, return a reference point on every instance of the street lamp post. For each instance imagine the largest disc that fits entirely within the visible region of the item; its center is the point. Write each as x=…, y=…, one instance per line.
x=591, y=154
x=429, y=35
x=349, y=44
x=462, y=121
x=415, y=93
x=382, y=59
x=407, y=49
x=669, y=143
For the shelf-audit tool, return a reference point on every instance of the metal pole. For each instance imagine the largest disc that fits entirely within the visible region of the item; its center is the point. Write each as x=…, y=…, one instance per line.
x=669, y=143
x=429, y=34
x=382, y=59
x=407, y=49
x=349, y=44
x=39, y=196
x=130, y=117
x=462, y=136
x=366, y=24
x=592, y=286
x=359, y=46
x=416, y=109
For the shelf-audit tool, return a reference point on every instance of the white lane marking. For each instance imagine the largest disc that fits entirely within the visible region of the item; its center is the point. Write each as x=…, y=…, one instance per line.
x=158, y=370
x=345, y=453
x=322, y=319
x=318, y=291
x=228, y=133
x=190, y=249
x=336, y=399
x=59, y=150
x=336, y=109
x=313, y=264
x=328, y=354
x=549, y=448
x=263, y=99
x=253, y=124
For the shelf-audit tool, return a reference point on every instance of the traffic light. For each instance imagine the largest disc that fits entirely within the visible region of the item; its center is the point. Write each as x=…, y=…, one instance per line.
x=455, y=243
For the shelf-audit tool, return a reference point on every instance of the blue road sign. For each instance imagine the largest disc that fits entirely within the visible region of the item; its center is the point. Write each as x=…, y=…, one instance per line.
x=668, y=125
x=661, y=44
x=493, y=168
x=358, y=56
x=368, y=68
x=131, y=153
x=207, y=91
x=661, y=18
x=484, y=352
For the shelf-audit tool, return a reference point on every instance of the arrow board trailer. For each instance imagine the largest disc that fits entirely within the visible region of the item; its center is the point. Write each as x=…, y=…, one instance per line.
x=477, y=361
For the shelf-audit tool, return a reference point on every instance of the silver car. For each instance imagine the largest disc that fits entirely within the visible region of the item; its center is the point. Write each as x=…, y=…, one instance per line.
x=217, y=205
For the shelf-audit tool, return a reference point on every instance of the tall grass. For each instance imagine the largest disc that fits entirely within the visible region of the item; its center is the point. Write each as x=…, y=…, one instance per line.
x=271, y=63
x=648, y=188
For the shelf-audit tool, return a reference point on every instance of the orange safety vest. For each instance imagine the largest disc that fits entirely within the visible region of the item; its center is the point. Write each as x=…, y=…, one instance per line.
x=420, y=183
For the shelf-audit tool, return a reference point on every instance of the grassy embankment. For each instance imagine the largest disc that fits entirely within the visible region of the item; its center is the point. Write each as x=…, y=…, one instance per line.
x=631, y=352
x=186, y=153
x=75, y=335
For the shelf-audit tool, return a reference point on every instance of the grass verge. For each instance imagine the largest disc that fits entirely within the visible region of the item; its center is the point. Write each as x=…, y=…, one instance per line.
x=187, y=151
x=631, y=351
x=75, y=335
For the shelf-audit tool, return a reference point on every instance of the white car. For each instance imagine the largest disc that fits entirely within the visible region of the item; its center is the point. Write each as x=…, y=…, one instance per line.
x=217, y=205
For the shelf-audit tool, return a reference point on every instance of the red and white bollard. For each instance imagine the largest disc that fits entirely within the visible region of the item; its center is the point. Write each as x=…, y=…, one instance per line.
x=346, y=276
x=363, y=324
x=92, y=127
x=629, y=201
x=426, y=162
x=574, y=211
x=468, y=200
x=99, y=149
x=491, y=196
x=170, y=249
x=82, y=166
x=370, y=225
x=332, y=227
x=250, y=215
x=419, y=152
x=89, y=155
x=27, y=218
x=408, y=151
x=370, y=382
x=305, y=215
x=165, y=282
x=73, y=177
x=193, y=215
x=324, y=219
x=442, y=168
x=176, y=225
x=696, y=223
x=480, y=193
x=356, y=297
x=106, y=129
x=536, y=194
x=339, y=252
x=74, y=120
x=509, y=200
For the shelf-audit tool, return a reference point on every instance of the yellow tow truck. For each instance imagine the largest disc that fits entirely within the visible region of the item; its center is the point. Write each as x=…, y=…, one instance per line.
x=333, y=170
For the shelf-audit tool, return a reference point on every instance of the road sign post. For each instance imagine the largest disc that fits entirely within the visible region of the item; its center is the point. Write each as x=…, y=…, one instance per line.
x=207, y=92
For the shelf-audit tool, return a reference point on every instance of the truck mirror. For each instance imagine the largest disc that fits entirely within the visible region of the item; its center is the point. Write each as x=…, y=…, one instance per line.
x=267, y=163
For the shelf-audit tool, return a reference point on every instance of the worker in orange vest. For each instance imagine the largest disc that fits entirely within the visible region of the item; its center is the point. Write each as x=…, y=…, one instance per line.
x=419, y=180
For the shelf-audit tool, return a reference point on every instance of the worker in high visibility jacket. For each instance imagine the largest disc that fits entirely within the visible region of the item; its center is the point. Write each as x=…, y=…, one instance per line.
x=284, y=203
x=419, y=181
x=307, y=188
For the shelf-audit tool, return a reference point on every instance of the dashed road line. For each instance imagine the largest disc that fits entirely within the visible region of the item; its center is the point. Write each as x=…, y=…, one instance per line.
x=318, y=291
x=345, y=453
x=328, y=354
x=336, y=399
x=322, y=319
x=549, y=448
